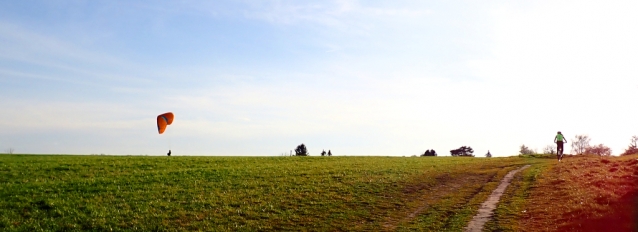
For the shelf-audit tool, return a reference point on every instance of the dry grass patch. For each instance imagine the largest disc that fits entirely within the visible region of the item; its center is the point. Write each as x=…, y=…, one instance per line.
x=584, y=193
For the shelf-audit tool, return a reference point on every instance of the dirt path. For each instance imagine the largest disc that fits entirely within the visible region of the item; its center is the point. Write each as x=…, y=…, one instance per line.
x=446, y=185
x=487, y=208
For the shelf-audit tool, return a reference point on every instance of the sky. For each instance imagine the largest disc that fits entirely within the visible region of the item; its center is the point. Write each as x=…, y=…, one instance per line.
x=258, y=78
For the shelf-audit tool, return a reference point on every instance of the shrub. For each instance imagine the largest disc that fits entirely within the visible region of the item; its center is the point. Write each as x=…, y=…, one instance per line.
x=301, y=150
x=550, y=149
x=526, y=150
x=633, y=146
x=429, y=153
x=463, y=151
x=544, y=156
x=600, y=150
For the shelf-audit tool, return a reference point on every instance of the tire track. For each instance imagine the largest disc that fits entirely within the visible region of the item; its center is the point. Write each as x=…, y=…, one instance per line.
x=487, y=208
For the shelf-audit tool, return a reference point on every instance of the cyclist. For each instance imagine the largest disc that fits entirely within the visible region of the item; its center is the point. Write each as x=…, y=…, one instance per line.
x=559, y=140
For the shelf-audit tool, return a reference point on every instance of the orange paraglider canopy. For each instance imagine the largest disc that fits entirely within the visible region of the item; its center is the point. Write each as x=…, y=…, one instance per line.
x=164, y=120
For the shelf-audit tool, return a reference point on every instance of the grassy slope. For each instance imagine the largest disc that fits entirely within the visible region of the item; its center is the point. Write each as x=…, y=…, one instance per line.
x=244, y=193
x=514, y=201
x=456, y=207
x=582, y=193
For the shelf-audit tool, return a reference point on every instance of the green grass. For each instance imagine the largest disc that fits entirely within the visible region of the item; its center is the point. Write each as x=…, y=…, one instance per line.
x=513, y=202
x=457, y=206
x=242, y=193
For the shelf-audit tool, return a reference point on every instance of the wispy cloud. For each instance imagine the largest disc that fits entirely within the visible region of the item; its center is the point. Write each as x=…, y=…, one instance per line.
x=25, y=116
x=67, y=61
x=330, y=13
x=360, y=77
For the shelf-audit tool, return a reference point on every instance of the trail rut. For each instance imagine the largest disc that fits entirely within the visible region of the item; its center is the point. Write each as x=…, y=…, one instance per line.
x=487, y=208
x=446, y=185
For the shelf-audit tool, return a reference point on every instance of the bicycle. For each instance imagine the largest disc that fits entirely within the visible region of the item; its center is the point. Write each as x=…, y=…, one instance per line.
x=559, y=140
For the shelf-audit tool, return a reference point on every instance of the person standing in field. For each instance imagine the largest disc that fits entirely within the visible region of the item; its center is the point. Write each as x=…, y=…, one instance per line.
x=559, y=140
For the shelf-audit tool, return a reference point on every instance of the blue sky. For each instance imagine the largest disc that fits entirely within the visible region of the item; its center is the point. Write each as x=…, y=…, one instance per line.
x=357, y=77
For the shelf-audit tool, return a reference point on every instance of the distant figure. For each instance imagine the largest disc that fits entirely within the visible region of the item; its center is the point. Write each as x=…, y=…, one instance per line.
x=323, y=153
x=329, y=153
x=559, y=140
x=169, y=153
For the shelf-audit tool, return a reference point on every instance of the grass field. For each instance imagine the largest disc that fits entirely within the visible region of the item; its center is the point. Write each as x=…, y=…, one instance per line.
x=105, y=193
x=251, y=193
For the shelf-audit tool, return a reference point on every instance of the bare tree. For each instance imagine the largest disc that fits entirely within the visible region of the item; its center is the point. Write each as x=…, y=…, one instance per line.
x=10, y=150
x=526, y=150
x=550, y=149
x=580, y=143
x=633, y=146
x=599, y=149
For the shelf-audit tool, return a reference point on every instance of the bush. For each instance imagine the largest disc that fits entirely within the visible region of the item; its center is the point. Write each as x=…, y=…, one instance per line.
x=301, y=150
x=550, y=149
x=543, y=156
x=526, y=150
x=429, y=153
x=633, y=146
x=630, y=151
x=463, y=151
x=600, y=150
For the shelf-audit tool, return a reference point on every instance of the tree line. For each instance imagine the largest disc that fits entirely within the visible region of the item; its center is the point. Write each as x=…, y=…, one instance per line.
x=580, y=145
x=302, y=150
x=463, y=151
